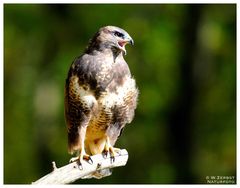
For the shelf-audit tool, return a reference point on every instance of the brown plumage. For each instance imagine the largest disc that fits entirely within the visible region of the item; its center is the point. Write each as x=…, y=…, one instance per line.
x=100, y=95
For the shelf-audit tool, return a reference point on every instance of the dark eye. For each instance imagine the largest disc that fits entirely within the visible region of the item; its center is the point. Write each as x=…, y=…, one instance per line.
x=118, y=34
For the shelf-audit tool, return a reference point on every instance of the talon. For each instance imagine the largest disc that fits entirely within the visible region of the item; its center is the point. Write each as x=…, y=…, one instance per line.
x=80, y=158
x=80, y=165
x=112, y=154
x=77, y=159
x=90, y=161
x=105, y=153
x=74, y=159
x=112, y=159
x=112, y=151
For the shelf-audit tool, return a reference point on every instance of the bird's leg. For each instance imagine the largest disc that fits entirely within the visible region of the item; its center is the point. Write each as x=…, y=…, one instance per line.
x=112, y=151
x=82, y=154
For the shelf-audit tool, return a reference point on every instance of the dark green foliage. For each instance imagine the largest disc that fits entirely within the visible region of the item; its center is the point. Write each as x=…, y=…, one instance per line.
x=184, y=62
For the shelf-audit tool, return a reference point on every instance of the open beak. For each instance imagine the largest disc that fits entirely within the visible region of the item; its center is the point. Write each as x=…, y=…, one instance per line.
x=122, y=43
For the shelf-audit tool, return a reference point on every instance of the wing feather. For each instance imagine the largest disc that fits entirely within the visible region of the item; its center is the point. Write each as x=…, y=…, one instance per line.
x=79, y=102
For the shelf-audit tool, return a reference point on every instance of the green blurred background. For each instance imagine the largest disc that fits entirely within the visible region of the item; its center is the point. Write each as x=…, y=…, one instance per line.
x=184, y=62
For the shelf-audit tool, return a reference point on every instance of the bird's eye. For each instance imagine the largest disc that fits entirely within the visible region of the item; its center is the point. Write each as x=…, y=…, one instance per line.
x=118, y=34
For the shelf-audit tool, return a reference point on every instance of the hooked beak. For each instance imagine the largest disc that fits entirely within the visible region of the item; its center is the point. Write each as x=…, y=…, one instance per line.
x=131, y=42
x=122, y=43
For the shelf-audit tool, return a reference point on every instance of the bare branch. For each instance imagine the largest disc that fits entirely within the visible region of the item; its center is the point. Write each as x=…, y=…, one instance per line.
x=71, y=172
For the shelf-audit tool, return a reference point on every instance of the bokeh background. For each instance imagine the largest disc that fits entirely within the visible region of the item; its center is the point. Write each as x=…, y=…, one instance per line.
x=184, y=62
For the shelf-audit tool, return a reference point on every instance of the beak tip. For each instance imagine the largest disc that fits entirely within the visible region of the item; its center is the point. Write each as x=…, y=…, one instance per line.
x=132, y=42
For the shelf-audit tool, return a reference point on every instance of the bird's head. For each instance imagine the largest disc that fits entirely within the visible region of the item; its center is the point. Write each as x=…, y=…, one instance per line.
x=114, y=38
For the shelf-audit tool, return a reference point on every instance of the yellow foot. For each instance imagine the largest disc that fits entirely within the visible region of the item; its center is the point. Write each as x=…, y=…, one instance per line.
x=80, y=158
x=111, y=150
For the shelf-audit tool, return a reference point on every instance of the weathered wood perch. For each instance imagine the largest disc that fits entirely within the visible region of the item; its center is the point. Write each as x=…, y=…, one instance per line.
x=71, y=172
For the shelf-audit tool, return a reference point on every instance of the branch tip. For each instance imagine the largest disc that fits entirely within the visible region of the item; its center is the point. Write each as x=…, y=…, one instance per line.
x=54, y=166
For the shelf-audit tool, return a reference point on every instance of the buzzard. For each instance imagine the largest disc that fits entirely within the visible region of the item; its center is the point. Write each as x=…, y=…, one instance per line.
x=100, y=95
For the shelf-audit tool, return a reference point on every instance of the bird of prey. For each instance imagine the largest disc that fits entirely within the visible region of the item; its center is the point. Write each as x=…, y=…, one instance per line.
x=100, y=95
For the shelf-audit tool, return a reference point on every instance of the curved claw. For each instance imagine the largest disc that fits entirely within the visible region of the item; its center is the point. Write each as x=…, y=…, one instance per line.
x=105, y=153
x=90, y=161
x=79, y=160
x=112, y=159
x=80, y=165
x=73, y=159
